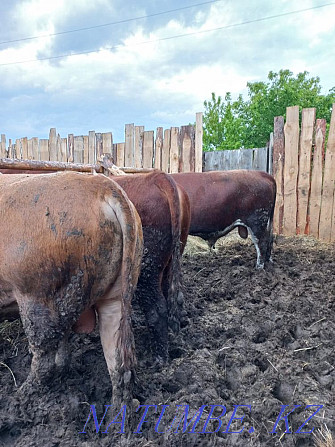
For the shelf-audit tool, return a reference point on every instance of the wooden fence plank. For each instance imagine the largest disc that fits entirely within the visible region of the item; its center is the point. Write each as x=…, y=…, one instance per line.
x=17, y=148
x=198, y=154
x=291, y=130
x=98, y=144
x=138, y=143
x=260, y=159
x=158, y=148
x=63, y=149
x=316, y=182
x=24, y=147
x=78, y=149
x=3, y=151
x=58, y=148
x=269, y=164
x=120, y=154
x=70, y=145
x=29, y=150
x=10, y=149
x=92, y=156
x=186, y=143
x=278, y=172
x=166, y=151
x=85, y=143
x=107, y=142
x=304, y=173
x=326, y=214
x=44, y=149
x=52, y=144
x=148, y=148
x=246, y=158
x=129, y=145
x=174, y=150
x=35, y=148
x=226, y=161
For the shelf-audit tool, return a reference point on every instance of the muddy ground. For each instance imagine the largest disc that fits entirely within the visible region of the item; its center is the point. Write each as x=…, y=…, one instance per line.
x=259, y=338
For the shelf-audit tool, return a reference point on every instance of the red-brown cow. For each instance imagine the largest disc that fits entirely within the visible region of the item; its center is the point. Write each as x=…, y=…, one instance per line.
x=70, y=241
x=223, y=200
x=164, y=210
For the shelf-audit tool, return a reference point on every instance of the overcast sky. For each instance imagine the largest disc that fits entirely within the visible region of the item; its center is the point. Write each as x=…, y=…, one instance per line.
x=164, y=83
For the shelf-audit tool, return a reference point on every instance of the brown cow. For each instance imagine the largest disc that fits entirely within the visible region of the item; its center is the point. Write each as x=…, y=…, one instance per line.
x=223, y=200
x=69, y=241
x=164, y=210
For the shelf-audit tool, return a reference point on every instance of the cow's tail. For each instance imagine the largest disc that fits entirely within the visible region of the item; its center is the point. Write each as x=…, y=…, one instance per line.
x=131, y=261
x=174, y=269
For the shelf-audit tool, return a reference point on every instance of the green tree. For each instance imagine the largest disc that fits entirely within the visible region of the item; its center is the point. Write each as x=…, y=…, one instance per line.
x=249, y=123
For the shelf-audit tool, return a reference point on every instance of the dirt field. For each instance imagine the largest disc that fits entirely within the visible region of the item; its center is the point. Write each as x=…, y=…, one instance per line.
x=259, y=338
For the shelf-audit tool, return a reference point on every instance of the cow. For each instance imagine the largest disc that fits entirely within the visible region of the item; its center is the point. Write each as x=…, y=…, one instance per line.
x=164, y=210
x=70, y=244
x=223, y=200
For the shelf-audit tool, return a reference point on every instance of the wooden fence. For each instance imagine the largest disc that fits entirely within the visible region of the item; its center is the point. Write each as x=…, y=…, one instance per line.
x=172, y=150
x=259, y=159
x=305, y=175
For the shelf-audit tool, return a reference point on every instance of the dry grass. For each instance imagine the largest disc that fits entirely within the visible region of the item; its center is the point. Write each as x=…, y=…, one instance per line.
x=323, y=437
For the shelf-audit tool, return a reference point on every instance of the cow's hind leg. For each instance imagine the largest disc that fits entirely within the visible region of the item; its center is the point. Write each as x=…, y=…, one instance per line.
x=171, y=287
x=111, y=325
x=44, y=334
x=260, y=227
x=154, y=306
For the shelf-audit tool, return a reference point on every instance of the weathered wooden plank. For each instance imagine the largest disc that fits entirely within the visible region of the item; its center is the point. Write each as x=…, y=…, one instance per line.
x=138, y=160
x=148, y=148
x=92, y=156
x=278, y=172
x=78, y=149
x=226, y=161
x=166, y=151
x=85, y=142
x=158, y=148
x=198, y=152
x=326, y=214
x=70, y=145
x=120, y=154
x=3, y=151
x=234, y=158
x=269, y=164
x=304, y=174
x=246, y=158
x=291, y=130
x=187, y=145
x=63, y=150
x=24, y=147
x=29, y=150
x=98, y=144
x=260, y=159
x=52, y=145
x=10, y=149
x=35, y=148
x=129, y=145
x=316, y=181
x=40, y=165
x=174, y=150
x=107, y=142
x=44, y=149
x=17, y=148
x=58, y=147
x=219, y=158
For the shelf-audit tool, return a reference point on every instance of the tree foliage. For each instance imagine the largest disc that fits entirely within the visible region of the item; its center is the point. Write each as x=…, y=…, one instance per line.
x=248, y=123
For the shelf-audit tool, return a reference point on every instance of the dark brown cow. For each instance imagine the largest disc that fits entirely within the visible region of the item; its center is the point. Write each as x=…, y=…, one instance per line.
x=164, y=210
x=70, y=241
x=223, y=200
